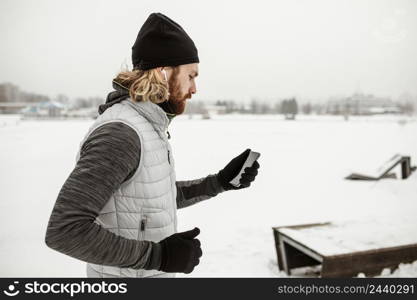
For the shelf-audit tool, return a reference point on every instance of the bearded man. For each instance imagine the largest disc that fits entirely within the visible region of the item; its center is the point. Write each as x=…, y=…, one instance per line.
x=117, y=210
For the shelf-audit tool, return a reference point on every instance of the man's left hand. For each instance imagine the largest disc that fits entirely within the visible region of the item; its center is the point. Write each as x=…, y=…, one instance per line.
x=232, y=170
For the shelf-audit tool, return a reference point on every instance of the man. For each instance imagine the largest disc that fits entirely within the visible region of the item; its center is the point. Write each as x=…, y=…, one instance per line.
x=117, y=209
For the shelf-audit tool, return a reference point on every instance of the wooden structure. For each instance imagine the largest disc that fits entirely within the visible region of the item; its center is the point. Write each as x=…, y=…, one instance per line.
x=383, y=171
x=343, y=254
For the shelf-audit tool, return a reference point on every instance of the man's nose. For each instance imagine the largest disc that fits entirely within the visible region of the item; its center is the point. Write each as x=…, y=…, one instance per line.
x=193, y=89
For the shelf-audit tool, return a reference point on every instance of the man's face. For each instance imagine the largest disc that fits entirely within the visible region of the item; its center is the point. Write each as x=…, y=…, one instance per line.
x=181, y=86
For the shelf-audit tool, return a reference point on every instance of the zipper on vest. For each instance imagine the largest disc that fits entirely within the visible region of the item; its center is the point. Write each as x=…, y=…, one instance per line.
x=169, y=161
x=143, y=223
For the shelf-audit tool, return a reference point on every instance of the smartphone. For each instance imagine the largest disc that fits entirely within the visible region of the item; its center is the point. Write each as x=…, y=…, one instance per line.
x=252, y=157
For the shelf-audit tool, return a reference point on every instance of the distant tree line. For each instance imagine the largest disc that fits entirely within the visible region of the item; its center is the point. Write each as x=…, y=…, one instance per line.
x=11, y=93
x=286, y=106
x=289, y=107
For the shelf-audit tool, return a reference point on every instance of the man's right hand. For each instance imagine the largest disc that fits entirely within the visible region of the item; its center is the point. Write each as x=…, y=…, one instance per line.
x=181, y=252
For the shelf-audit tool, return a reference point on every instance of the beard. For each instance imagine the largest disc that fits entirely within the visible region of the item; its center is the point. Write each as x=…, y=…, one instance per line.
x=176, y=101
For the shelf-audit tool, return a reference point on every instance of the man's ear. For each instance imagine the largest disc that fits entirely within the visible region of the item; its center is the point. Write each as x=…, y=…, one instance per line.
x=159, y=69
x=163, y=73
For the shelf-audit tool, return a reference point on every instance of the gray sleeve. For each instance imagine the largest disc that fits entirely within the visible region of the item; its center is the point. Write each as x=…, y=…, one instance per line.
x=193, y=191
x=108, y=157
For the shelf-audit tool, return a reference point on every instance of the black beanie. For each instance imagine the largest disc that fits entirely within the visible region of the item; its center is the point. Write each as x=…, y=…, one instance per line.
x=162, y=42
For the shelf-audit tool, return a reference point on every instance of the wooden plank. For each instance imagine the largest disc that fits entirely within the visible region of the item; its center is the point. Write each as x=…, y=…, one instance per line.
x=277, y=248
x=370, y=262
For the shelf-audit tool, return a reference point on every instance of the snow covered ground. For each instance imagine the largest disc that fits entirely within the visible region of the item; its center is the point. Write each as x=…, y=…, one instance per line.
x=303, y=164
x=9, y=120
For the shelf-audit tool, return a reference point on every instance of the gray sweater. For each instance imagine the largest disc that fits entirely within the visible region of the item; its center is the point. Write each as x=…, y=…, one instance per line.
x=108, y=157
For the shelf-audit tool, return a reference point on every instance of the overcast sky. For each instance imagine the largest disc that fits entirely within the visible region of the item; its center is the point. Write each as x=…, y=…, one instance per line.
x=310, y=49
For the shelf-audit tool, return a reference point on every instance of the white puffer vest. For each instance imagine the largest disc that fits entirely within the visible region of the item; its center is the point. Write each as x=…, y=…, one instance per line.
x=144, y=207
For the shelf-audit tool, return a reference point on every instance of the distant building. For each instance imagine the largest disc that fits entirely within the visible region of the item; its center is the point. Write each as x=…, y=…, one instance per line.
x=49, y=109
x=13, y=107
x=9, y=93
x=13, y=100
x=362, y=104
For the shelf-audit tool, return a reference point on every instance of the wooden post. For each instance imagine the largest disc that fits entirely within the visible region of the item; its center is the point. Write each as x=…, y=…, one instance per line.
x=405, y=167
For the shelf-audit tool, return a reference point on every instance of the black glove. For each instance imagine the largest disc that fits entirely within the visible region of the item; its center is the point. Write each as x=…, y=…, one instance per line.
x=181, y=252
x=232, y=169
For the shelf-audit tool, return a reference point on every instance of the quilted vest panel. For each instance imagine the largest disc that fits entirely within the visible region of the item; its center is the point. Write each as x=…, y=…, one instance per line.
x=143, y=207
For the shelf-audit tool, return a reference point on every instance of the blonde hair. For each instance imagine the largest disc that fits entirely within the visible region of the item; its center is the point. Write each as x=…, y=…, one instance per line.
x=144, y=85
